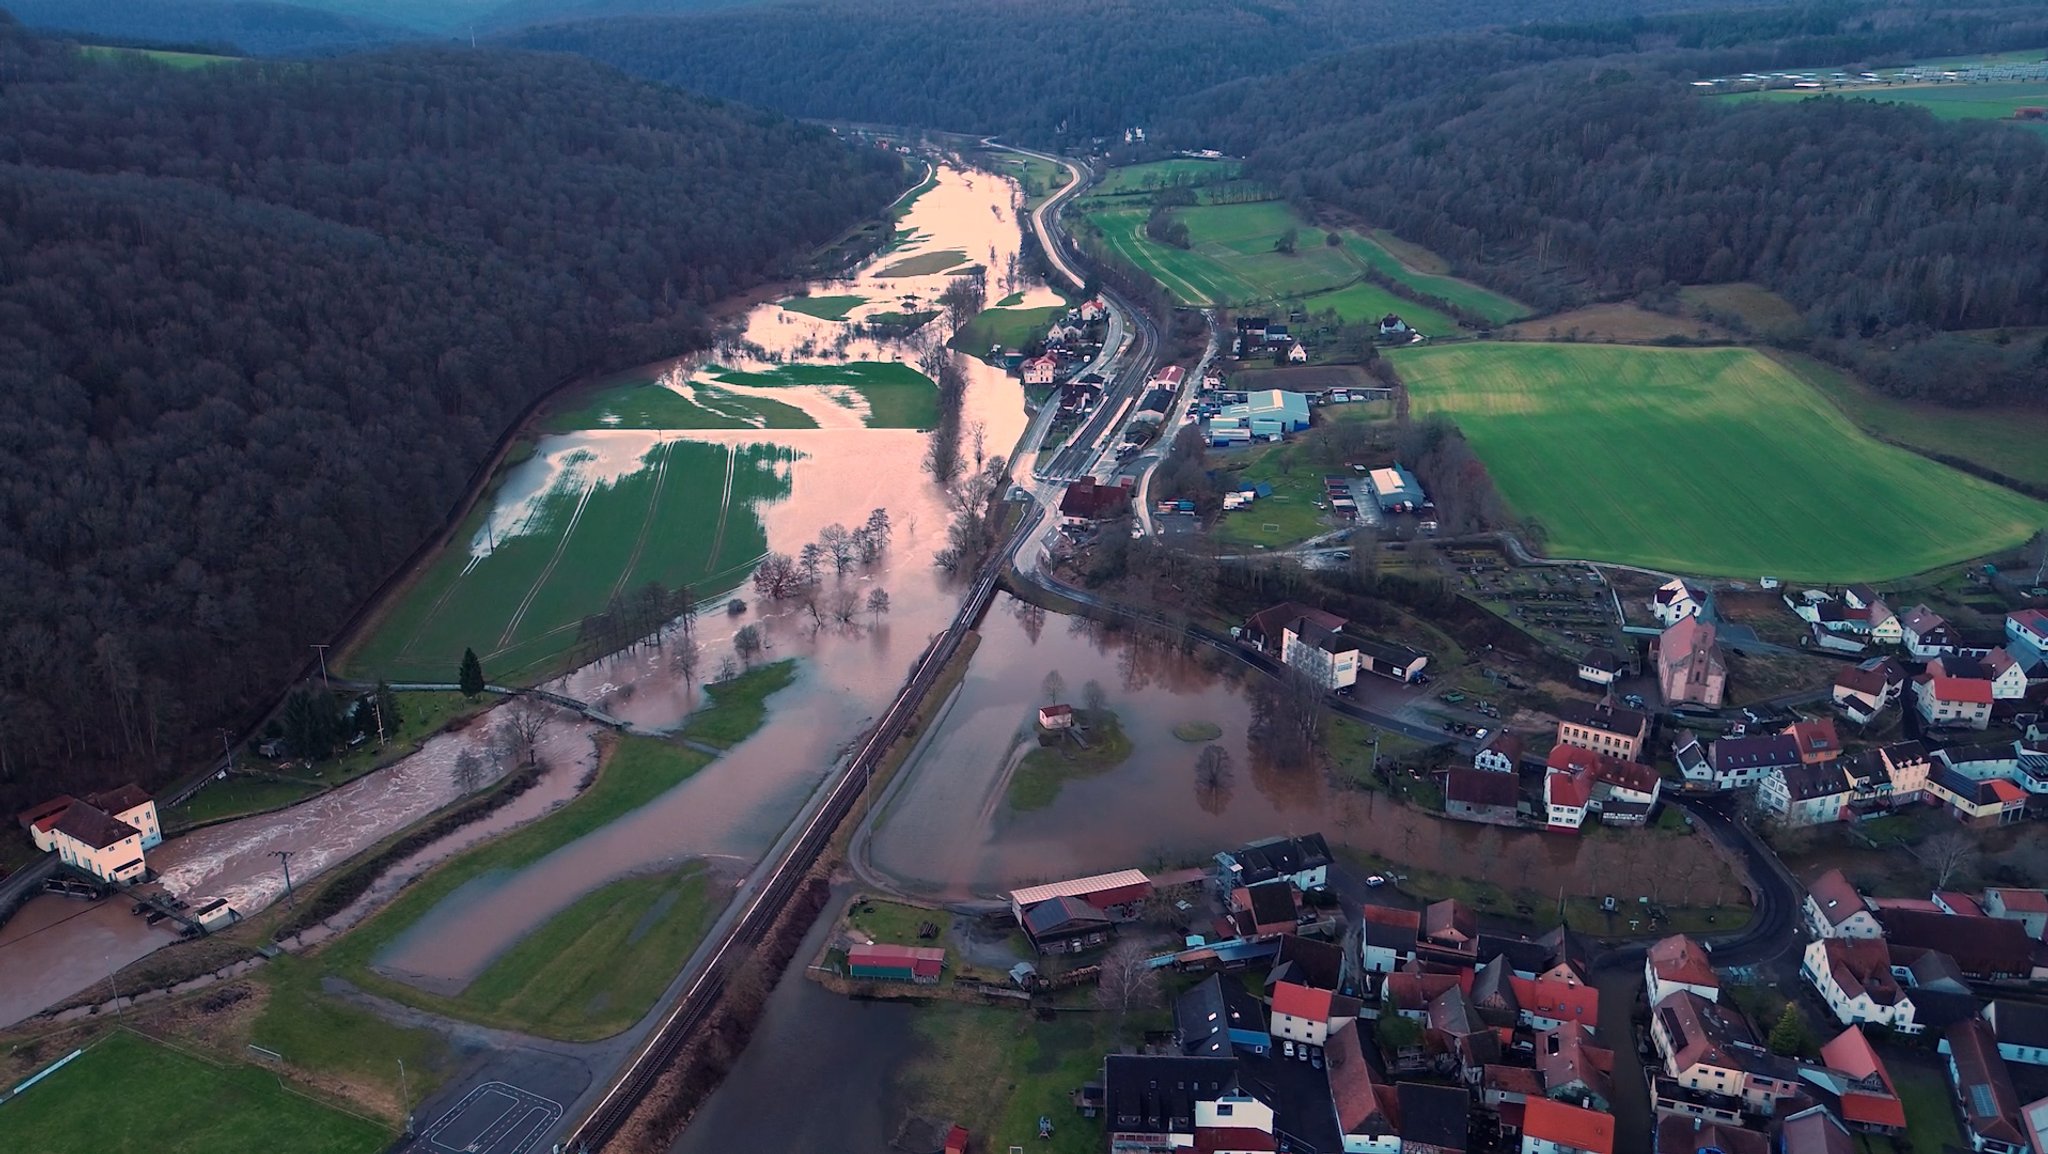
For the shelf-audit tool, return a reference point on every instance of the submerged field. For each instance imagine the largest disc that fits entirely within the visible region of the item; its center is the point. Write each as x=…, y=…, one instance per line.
x=601, y=513
x=1232, y=260
x=1712, y=461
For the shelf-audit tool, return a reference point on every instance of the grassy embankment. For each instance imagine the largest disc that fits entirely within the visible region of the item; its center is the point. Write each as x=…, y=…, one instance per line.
x=925, y=264
x=130, y=1095
x=1037, y=779
x=1711, y=461
x=829, y=308
x=514, y=992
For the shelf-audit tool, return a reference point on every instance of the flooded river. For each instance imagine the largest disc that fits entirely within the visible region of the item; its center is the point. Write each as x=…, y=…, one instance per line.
x=846, y=673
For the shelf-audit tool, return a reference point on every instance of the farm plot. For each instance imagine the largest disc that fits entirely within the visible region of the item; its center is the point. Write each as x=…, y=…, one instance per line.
x=1462, y=293
x=1366, y=301
x=1712, y=461
x=1180, y=172
x=591, y=515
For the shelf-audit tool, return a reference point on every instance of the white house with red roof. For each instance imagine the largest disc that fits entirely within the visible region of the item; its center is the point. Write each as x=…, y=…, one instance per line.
x=1559, y=1128
x=1869, y=1101
x=1834, y=909
x=1925, y=633
x=1041, y=370
x=2026, y=906
x=2008, y=676
x=1854, y=977
x=1958, y=701
x=1679, y=963
x=1567, y=788
x=1301, y=1013
x=1548, y=1003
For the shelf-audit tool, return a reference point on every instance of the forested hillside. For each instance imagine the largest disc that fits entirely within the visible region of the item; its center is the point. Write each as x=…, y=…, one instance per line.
x=1050, y=71
x=258, y=27
x=262, y=322
x=1568, y=164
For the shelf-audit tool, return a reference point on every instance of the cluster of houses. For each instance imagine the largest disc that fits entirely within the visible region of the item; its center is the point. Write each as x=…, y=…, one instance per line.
x=1717, y=1085
x=1966, y=681
x=1257, y=335
x=104, y=835
x=1068, y=343
x=1325, y=648
x=1905, y=965
x=1592, y=774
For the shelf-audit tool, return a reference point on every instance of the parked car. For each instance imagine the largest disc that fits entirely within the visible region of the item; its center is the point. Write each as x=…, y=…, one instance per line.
x=1287, y=1048
x=1633, y=701
x=1481, y=734
x=1374, y=882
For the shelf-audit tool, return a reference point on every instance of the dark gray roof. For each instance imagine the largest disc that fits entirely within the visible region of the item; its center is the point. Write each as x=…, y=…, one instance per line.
x=1602, y=658
x=1272, y=903
x=1612, y=718
x=1204, y=1016
x=1821, y=779
x=2018, y=1023
x=93, y=826
x=1754, y=752
x=1304, y=1111
x=1274, y=856
x=1148, y=1094
x=1437, y=1116
x=1061, y=916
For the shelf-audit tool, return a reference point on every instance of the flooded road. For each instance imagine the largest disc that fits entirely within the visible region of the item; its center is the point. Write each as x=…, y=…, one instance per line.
x=54, y=947
x=733, y=810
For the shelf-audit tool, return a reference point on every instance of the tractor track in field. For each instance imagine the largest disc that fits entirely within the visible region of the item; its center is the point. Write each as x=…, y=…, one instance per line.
x=561, y=549
x=667, y=450
x=732, y=457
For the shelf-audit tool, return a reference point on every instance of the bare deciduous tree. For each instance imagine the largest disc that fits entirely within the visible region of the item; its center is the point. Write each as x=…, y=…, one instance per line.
x=684, y=657
x=470, y=771
x=843, y=605
x=523, y=722
x=1053, y=686
x=1128, y=981
x=747, y=643
x=878, y=604
x=1093, y=695
x=1947, y=854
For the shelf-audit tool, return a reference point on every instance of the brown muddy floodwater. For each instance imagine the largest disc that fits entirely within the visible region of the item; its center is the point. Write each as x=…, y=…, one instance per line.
x=947, y=831
x=734, y=810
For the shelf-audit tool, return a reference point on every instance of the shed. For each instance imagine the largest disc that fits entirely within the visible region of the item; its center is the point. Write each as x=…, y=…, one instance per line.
x=882, y=962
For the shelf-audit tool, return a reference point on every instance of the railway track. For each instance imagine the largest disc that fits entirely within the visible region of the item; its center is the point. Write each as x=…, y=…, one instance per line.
x=701, y=997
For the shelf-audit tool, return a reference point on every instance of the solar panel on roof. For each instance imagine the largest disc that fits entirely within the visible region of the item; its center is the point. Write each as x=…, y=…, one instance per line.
x=1982, y=1104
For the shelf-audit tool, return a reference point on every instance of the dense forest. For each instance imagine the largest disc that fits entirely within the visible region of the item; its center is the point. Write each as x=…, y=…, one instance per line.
x=263, y=322
x=1059, y=71
x=1569, y=164
x=256, y=27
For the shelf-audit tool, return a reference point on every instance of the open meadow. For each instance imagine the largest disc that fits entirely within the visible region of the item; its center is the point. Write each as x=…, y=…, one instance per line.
x=179, y=60
x=1709, y=461
x=1232, y=260
x=2007, y=440
x=129, y=1095
x=1179, y=172
x=1944, y=101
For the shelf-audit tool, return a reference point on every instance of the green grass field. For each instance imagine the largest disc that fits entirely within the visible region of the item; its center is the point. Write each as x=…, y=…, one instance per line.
x=2008, y=440
x=178, y=60
x=1710, y=461
x=329, y=1037
x=686, y=516
x=129, y=1095
x=1008, y=327
x=1366, y=301
x=898, y=396
x=1290, y=514
x=1231, y=261
x=1180, y=171
x=1038, y=778
x=233, y=798
x=1462, y=293
x=597, y=967
x=833, y=308
x=738, y=707
x=1038, y=177
x=1945, y=101
x=925, y=263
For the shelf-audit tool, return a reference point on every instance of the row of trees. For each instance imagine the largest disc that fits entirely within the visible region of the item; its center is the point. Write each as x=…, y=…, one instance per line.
x=265, y=321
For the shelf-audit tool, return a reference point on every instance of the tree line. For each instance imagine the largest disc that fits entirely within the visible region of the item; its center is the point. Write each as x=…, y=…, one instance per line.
x=265, y=321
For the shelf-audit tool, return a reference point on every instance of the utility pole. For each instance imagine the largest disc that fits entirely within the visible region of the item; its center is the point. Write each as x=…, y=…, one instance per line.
x=377, y=708
x=285, y=856
x=111, y=987
x=228, y=748
x=404, y=1098
x=322, y=651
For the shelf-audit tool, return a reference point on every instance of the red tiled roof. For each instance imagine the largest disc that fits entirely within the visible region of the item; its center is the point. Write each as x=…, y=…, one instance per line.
x=922, y=960
x=1971, y=690
x=2021, y=901
x=1837, y=899
x=1301, y=1002
x=1869, y=682
x=1567, y=1125
x=2006, y=791
x=42, y=817
x=2033, y=619
x=1506, y=744
x=1568, y=787
x=1958, y=903
x=1680, y=959
x=1564, y=1001
x=1815, y=736
x=121, y=799
x=956, y=1140
x=1850, y=1053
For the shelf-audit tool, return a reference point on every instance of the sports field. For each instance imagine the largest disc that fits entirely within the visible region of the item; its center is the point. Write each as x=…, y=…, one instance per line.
x=1708, y=461
x=594, y=514
x=129, y=1095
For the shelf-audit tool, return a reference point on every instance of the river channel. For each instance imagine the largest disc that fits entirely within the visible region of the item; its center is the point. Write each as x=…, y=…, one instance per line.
x=734, y=810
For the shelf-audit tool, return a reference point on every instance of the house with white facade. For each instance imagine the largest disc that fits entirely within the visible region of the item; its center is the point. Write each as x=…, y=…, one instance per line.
x=1558, y=1128
x=1863, y=691
x=1805, y=794
x=1679, y=963
x=1925, y=633
x=2028, y=907
x=2026, y=633
x=1854, y=977
x=1673, y=602
x=2008, y=677
x=1833, y=909
x=1599, y=666
x=1301, y=1014
x=2021, y=1029
x=1501, y=754
x=1952, y=701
